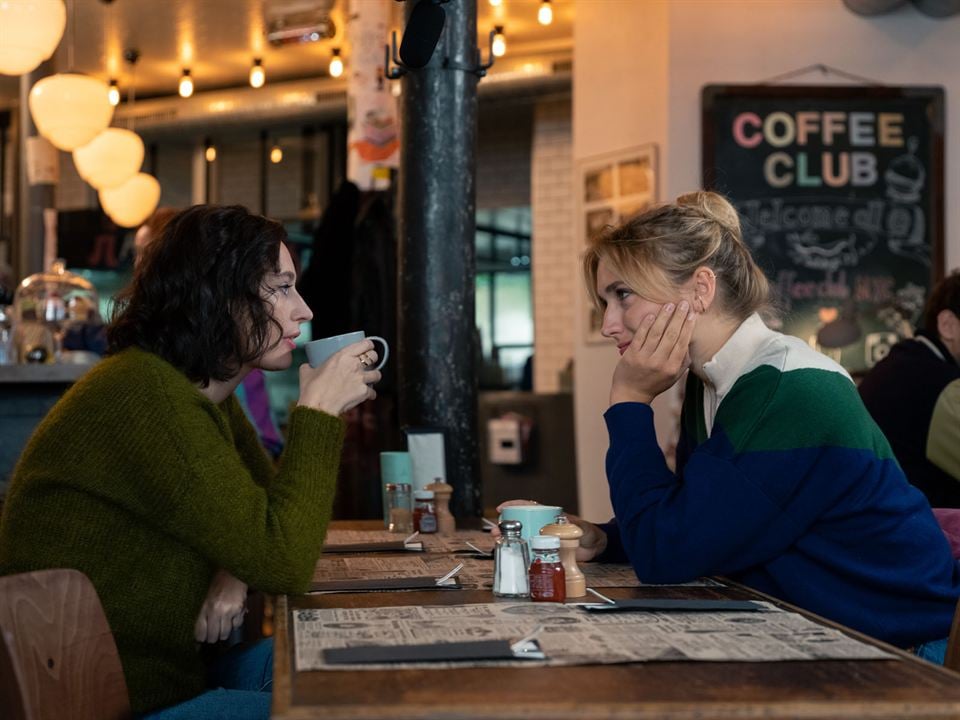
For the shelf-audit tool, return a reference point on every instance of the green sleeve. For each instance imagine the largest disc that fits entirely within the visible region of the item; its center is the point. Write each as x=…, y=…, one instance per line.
x=943, y=437
x=247, y=442
x=269, y=536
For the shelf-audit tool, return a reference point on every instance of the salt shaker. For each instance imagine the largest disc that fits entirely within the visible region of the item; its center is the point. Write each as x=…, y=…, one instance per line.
x=510, y=560
x=569, y=535
x=446, y=525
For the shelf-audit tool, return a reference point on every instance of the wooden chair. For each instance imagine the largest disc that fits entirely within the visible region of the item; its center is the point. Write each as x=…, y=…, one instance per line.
x=57, y=654
x=952, y=657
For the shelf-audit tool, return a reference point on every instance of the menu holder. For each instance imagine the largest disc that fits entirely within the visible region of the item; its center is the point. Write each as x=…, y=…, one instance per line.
x=382, y=584
x=675, y=605
x=433, y=652
x=373, y=547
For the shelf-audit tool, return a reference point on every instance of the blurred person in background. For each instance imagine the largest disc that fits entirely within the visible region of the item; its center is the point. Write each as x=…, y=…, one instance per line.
x=914, y=395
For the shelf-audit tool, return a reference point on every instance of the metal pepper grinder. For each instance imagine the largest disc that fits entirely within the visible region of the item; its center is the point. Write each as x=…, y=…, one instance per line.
x=569, y=535
x=442, y=491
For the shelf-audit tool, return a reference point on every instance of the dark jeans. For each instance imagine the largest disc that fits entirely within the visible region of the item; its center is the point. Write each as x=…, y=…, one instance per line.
x=240, y=682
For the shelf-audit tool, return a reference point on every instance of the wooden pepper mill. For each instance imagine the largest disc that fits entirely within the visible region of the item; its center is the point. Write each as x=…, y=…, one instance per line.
x=442, y=491
x=569, y=535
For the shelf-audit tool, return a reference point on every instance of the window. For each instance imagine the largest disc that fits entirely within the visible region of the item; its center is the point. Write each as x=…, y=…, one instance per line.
x=504, y=304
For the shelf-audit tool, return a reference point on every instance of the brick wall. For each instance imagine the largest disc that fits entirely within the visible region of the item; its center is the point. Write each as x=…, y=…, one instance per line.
x=554, y=272
x=504, y=132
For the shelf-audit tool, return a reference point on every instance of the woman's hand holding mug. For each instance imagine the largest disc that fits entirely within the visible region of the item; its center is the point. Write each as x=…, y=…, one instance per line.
x=342, y=382
x=592, y=543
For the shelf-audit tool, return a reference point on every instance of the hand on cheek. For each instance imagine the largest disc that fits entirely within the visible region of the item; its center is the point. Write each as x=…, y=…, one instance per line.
x=657, y=357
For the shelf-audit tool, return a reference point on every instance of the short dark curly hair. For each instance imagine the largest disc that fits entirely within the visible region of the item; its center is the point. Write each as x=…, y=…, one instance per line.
x=196, y=298
x=944, y=296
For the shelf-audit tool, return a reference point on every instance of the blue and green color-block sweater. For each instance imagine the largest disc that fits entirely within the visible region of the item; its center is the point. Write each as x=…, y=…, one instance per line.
x=788, y=487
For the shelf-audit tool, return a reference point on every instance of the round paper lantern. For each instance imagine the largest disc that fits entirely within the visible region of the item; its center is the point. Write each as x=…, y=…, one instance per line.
x=110, y=159
x=30, y=31
x=133, y=202
x=70, y=109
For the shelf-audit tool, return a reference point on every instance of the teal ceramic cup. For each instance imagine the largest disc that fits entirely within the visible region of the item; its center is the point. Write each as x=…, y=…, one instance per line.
x=318, y=351
x=531, y=517
x=395, y=467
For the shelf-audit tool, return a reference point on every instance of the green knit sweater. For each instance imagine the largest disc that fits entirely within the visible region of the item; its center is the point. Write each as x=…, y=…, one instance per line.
x=139, y=481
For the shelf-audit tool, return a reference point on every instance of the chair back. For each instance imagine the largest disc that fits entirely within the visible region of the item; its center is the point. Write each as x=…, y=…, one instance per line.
x=57, y=654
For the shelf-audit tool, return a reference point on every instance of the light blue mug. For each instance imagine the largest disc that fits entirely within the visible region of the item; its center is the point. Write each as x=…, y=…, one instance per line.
x=531, y=517
x=318, y=351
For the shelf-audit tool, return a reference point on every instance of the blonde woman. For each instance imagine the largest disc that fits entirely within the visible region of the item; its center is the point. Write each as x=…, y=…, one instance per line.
x=783, y=481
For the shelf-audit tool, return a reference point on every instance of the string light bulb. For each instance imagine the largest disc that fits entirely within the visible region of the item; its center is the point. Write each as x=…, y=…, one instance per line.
x=276, y=154
x=336, y=64
x=114, y=92
x=257, y=74
x=499, y=42
x=545, y=13
x=186, y=84
x=210, y=153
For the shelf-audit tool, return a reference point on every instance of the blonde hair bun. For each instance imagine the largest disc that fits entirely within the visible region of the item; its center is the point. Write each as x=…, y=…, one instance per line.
x=714, y=206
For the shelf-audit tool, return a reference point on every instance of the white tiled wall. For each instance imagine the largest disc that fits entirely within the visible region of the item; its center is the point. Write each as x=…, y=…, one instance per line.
x=554, y=275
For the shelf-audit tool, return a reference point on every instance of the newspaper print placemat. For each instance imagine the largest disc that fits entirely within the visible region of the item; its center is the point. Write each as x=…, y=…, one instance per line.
x=571, y=636
x=476, y=573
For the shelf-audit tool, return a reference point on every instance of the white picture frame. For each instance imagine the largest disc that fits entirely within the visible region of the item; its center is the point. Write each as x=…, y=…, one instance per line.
x=611, y=188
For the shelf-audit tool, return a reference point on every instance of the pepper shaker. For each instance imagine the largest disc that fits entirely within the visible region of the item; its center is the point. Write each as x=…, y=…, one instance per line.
x=569, y=535
x=442, y=491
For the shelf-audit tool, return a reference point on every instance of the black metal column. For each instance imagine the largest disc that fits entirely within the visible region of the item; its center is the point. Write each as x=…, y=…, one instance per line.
x=436, y=324
x=34, y=198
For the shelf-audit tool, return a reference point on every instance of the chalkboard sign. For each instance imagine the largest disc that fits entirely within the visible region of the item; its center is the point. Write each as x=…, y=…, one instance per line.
x=840, y=192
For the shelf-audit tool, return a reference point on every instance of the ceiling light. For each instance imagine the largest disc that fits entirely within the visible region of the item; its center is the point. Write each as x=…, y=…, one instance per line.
x=114, y=92
x=30, y=31
x=336, y=64
x=545, y=13
x=131, y=203
x=70, y=109
x=257, y=74
x=496, y=3
x=186, y=84
x=110, y=159
x=499, y=42
x=276, y=154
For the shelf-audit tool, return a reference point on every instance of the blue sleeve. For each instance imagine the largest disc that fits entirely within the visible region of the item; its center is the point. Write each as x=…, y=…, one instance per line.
x=713, y=521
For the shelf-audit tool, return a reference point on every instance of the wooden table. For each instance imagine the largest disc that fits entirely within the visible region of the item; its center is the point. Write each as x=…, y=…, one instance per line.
x=905, y=687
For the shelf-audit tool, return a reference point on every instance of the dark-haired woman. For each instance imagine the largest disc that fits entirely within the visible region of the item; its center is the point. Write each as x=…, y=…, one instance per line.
x=147, y=477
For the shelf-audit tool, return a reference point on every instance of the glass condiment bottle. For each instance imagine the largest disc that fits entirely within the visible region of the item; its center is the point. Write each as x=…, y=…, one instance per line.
x=510, y=561
x=547, y=579
x=400, y=517
x=424, y=512
x=569, y=535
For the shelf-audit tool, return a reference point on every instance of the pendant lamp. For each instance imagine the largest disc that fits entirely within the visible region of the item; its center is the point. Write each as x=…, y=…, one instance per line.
x=130, y=204
x=70, y=109
x=110, y=159
x=30, y=31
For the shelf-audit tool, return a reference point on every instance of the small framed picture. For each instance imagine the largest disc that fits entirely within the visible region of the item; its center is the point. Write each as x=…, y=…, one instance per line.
x=616, y=186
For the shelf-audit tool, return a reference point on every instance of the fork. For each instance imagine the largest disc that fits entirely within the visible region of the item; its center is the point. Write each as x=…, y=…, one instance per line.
x=450, y=575
x=521, y=645
x=476, y=549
